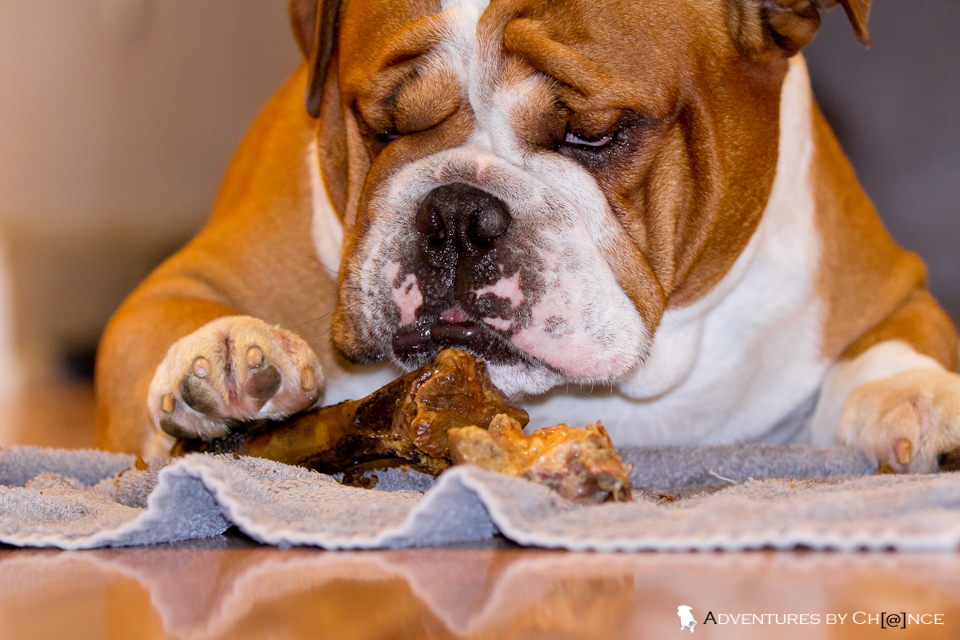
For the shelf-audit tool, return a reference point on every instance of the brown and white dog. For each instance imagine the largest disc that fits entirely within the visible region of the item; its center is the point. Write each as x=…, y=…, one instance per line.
x=632, y=209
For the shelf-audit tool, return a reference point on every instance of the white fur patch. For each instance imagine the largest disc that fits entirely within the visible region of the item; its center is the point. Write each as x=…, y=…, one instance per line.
x=499, y=323
x=351, y=382
x=879, y=361
x=506, y=288
x=326, y=227
x=407, y=295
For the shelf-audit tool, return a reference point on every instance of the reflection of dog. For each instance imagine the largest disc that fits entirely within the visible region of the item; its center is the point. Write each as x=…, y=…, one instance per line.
x=637, y=197
x=686, y=618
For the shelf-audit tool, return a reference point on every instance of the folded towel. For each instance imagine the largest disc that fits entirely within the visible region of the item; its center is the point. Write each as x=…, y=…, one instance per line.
x=85, y=499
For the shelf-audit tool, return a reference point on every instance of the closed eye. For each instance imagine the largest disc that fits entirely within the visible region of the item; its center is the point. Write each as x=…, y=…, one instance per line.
x=581, y=141
x=387, y=137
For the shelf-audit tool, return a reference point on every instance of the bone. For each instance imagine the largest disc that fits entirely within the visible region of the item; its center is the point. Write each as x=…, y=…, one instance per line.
x=579, y=464
x=406, y=421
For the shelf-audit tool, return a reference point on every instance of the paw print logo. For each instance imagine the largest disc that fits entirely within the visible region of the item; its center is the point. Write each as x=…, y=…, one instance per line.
x=686, y=617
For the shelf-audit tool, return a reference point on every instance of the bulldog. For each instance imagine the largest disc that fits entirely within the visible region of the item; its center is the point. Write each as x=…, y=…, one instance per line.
x=633, y=211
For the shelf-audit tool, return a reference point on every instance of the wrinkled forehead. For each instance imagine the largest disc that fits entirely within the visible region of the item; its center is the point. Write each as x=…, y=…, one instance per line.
x=603, y=49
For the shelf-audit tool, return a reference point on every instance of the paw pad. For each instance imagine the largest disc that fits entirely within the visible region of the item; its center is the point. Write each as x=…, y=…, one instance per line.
x=234, y=369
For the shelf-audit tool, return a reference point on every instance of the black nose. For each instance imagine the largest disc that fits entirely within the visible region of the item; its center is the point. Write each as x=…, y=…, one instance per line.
x=460, y=213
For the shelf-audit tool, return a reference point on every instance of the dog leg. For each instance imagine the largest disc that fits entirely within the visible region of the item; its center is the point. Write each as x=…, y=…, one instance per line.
x=233, y=369
x=905, y=422
x=895, y=394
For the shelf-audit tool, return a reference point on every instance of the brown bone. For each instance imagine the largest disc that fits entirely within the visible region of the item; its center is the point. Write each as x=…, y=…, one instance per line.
x=579, y=464
x=407, y=420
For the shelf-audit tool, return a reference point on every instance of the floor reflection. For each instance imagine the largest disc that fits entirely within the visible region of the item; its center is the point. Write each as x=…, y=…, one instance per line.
x=223, y=590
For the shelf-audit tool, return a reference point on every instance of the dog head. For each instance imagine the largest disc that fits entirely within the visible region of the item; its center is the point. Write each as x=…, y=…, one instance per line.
x=537, y=181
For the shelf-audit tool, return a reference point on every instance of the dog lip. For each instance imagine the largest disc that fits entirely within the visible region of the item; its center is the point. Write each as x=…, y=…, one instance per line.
x=425, y=340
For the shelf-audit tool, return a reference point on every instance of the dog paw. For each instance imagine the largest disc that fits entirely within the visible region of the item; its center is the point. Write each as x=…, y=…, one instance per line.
x=234, y=369
x=905, y=423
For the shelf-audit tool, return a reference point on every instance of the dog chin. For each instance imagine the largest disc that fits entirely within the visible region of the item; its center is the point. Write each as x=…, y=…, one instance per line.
x=523, y=378
x=513, y=370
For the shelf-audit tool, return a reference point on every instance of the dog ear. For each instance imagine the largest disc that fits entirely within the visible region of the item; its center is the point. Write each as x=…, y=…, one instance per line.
x=761, y=26
x=314, y=25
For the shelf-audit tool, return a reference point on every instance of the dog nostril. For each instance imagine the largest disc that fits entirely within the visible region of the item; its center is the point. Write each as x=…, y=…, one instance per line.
x=462, y=213
x=491, y=221
x=430, y=223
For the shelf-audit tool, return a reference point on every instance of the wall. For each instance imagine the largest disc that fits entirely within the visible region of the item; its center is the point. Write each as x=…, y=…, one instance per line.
x=117, y=119
x=125, y=112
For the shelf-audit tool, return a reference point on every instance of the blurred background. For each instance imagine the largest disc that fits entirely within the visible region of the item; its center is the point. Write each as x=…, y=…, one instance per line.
x=896, y=109
x=118, y=118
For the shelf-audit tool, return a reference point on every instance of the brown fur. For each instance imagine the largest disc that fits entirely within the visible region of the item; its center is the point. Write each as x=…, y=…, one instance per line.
x=873, y=289
x=921, y=323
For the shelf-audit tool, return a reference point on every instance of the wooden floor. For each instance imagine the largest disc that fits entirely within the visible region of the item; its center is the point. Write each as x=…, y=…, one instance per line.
x=230, y=587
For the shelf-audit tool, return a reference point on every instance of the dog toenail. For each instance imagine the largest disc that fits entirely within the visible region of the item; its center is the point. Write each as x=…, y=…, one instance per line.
x=904, y=451
x=201, y=367
x=307, y=380
x=254, y=357
x=167, y=403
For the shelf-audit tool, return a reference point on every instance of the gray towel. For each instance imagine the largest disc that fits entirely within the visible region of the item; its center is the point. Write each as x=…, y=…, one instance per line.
x=85, y=499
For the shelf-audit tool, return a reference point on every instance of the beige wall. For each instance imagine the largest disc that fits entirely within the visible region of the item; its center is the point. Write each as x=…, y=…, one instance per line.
x=117, y=119
x=126, y=111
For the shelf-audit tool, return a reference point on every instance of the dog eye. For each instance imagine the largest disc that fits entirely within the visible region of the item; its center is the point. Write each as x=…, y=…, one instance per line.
x=581, y=141
x=388, y=136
